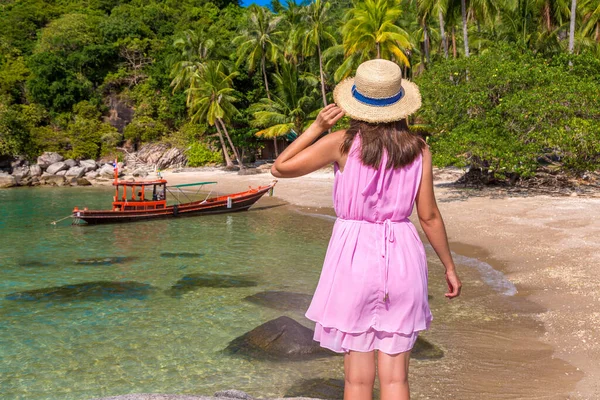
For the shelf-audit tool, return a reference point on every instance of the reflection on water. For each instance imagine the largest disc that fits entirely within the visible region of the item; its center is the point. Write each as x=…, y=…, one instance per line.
x=150, y=306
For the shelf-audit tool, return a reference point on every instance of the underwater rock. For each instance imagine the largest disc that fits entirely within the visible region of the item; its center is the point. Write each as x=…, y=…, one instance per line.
x=233, y=394
x=279, y=300
x=320, y=388
x=34, y=264
x=102, y=260
x=100, y=290
x=183, y=254
x=425, y=350
x=279, y=339
x=195, y=281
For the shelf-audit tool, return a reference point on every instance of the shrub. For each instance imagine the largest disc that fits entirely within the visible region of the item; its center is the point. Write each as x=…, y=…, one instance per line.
x=199, y=154
x=144, y=129
x=503, y=110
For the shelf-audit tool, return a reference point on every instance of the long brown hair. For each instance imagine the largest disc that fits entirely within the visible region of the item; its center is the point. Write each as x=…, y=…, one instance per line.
x=402, y=146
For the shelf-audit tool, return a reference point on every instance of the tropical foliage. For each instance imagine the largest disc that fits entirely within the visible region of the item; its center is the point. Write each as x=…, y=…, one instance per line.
x=506, y=83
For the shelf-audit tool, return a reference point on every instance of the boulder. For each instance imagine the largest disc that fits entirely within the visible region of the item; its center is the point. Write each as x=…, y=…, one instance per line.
x=53, y=180
x=7, y=181
x=91, y=175
x=35, y=170
x=83, y=182
x=19, y=162
x=26, y=181
x=35, y=181
x=56, y=167
x=107, y=171
x=20, y=173
x=76, y=172
x=88, y=165
x=71, y=163
x=61, y=173
x=48, y=158
x=142, y=173
x=279, y=339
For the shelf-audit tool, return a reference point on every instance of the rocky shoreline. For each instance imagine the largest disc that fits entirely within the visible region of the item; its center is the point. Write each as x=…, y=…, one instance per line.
x=52, y=169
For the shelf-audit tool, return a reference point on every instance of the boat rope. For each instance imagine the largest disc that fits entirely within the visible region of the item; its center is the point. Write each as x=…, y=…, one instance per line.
x=209, y=193
x=62, y=219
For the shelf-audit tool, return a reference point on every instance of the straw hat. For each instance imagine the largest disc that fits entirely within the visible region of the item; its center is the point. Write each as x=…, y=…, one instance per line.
x=377, y=93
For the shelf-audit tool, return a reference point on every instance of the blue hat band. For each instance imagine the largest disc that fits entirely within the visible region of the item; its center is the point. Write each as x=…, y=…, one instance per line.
x=386, y=101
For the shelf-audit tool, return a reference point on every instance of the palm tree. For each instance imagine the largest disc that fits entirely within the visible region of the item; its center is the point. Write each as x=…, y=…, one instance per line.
x=318, y=21
x=463, y=12
x=195, y=49
x=292, y=107
x=572, y=26
x=295, y=30
x=211, y=100
x=371, y=31
x=592, y=20
x=258, y=42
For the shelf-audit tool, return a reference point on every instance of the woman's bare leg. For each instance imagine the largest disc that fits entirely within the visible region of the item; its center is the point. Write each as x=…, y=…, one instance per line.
x=393, y=375
x=360, y=375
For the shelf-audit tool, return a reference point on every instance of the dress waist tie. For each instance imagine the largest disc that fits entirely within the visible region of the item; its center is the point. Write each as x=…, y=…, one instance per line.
x=387, y=236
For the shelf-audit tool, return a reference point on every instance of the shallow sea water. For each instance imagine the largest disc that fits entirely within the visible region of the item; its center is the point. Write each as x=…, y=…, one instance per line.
x=141, y=334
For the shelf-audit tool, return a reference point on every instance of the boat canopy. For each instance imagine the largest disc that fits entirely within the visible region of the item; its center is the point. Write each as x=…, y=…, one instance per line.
x=140, y=183
x=192, y=184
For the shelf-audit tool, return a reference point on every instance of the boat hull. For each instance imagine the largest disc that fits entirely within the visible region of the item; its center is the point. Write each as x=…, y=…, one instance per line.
x=218, y=205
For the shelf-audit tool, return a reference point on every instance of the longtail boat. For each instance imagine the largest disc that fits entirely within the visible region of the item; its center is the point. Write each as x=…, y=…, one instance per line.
x=130, y=202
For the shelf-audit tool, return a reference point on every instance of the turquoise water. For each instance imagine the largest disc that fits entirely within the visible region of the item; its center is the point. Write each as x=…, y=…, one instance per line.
x=128, y=330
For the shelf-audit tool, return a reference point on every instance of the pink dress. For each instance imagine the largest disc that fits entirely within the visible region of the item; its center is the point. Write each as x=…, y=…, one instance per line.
x=372, y=293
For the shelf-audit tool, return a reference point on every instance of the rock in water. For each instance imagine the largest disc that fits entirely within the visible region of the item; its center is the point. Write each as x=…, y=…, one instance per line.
x=195, y=281
x=233, y=394
x=279, y=339
x=56, y=167
x=48, y=158
x=424, y=350
x=7, y=181
x=54, y=180
x=283, y=301
x=83, y=182
x=102, y=260
x=86, y=291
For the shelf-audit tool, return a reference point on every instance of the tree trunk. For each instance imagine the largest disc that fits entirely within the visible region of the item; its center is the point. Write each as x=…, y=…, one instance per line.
x=463, y=11
x=444, y=39
x=235, y=152
x=547, y=16
x=228, y=161
x=453, y=42
x=426, y=43
x=264, y=71
x=321, y=74
x=572, y=30
x=378, y=49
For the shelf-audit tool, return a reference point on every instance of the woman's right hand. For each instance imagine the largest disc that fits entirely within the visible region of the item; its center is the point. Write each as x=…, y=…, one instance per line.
x=454, y=285
x=328, y=116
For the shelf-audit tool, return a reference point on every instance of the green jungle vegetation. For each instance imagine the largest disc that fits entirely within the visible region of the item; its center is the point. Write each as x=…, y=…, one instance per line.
x=508, y=85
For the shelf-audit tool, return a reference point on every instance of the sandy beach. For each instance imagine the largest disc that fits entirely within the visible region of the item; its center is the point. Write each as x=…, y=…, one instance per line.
x=546, y=246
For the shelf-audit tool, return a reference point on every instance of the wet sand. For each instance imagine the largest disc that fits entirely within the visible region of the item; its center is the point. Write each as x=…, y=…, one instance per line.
x=540, y=343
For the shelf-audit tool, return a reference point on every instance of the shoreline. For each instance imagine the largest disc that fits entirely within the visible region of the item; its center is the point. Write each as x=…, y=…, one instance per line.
x=545, y=245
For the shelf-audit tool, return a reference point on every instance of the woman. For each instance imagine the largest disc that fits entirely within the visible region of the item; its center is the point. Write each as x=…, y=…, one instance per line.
x=372, y=293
